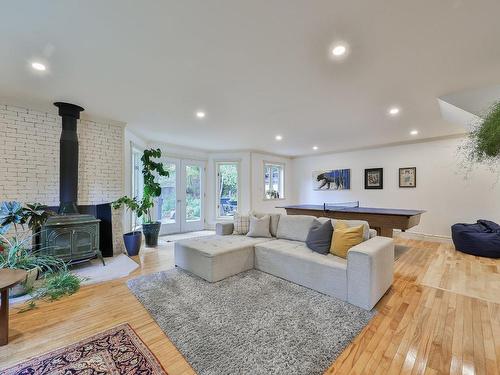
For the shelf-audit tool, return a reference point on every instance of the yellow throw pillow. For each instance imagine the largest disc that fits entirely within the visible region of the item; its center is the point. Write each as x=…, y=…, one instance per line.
x=345, y=237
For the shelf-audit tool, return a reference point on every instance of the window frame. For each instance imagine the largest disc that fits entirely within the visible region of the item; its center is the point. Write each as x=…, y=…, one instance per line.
x=218, y=163
x=281, y=188
x=135, y=176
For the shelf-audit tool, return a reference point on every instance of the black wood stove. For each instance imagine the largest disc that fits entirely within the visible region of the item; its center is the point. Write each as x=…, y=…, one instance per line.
x=69, y=235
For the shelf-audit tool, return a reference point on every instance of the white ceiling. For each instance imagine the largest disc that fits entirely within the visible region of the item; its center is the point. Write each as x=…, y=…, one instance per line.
x=257, y=67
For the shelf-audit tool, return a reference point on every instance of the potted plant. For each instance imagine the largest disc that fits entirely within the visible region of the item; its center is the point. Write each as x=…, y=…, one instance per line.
x=142, y=207
x=19, y=252
x=132, y=239
x=483, y=143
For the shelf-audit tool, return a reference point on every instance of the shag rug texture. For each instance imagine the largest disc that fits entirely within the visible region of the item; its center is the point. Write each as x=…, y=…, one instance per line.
x=114, y=352
x=250, y=323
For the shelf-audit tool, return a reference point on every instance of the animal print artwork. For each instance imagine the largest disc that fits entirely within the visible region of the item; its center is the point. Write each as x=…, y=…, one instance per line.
x=336, y=179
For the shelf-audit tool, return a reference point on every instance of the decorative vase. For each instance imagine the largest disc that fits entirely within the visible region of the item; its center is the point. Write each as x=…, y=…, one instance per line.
x=22, y=288
x=151, y=232
x=132, y=242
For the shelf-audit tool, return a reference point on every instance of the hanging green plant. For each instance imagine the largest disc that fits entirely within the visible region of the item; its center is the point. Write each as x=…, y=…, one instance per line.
x=483, y=142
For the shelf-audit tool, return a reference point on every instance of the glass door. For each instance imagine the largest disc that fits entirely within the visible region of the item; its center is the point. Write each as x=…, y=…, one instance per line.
x=192, y=186
x=180, y=206
x=169, y=200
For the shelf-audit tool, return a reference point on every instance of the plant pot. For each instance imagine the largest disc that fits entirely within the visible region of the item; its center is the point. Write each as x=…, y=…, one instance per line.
x=132, y=242
x=151, y=232
x=22, y=288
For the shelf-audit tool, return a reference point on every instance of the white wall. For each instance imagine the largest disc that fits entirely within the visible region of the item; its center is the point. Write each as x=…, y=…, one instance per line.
x=251, y=181
x=251, y=176
x=130, y=139
x=29, y=159
x=441, y=188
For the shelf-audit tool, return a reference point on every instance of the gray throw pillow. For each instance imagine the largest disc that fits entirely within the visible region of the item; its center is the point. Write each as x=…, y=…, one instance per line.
x=319, y=237
x=259, y=227
x=275, y=218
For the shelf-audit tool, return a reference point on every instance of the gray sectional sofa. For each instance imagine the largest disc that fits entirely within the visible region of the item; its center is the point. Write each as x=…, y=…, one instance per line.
x=361, y=279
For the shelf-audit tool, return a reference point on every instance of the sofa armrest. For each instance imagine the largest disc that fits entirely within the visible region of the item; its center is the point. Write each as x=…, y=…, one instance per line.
x=370, y=271
x=224, y=229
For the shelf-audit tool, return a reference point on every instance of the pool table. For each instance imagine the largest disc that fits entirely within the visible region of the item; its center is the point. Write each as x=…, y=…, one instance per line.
x=383, y=220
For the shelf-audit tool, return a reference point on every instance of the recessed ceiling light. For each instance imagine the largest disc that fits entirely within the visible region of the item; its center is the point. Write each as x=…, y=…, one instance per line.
x=315, y=148
x=278, y=137
x=339, y=50
x=200, y=114
x=414, y=132
x=393, y=111
x=38, y=66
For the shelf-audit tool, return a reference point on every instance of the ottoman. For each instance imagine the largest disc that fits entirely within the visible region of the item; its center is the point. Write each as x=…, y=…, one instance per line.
x=214, y=258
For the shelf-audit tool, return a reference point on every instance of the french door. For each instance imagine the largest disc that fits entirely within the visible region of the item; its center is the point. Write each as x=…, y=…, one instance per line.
x=181, y=205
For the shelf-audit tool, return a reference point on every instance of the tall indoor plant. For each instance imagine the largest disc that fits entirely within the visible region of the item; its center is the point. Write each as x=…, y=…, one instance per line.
x=143, y=207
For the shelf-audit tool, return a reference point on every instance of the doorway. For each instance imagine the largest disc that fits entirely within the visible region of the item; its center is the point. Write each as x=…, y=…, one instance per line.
x=181, y=203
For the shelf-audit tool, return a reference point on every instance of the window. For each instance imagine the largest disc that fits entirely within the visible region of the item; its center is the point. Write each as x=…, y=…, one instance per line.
x=193, y=193
x=274, y=181
x=167, y=201
x=227, y=188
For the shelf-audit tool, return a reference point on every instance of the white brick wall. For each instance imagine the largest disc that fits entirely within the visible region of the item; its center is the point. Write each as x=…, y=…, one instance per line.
x=29, y=160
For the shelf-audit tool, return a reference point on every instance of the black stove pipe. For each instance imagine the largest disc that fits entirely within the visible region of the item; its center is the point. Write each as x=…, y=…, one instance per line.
x=68, y=158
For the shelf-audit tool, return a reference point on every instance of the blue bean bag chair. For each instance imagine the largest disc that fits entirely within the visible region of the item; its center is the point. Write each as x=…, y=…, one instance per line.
x=481, y=239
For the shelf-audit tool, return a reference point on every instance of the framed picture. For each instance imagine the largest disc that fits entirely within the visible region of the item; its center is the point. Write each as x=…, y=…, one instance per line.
x=374, y=178
x=408, y=177
x=335, y=179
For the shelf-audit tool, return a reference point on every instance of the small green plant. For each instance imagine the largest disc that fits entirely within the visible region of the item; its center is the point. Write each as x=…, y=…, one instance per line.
x=152, y=189
x=20, y=251
x=53, y=287
x=18, y=254
x=11, y=214
x=14, y=214
x=483, y=143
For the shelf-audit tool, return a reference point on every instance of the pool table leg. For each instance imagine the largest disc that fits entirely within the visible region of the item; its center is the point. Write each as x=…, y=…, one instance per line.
x=385, y=232
x=4, y=318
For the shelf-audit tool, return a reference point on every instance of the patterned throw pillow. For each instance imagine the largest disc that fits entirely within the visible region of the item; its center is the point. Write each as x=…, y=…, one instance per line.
x=241, y=224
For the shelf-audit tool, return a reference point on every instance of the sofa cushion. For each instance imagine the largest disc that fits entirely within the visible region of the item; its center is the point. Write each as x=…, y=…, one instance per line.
x=350, y=223
x=354, y=223
x=294, y=261
x=241, y=223
x=275, y=218
x=345, y=238
x=294, y=227
x=211, y=246
x=259, y=227
x=214, y=258
x=319, y=238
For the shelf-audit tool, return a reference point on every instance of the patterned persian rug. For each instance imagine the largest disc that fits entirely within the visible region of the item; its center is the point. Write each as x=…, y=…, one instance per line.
x=250, y=323
x=114, y=352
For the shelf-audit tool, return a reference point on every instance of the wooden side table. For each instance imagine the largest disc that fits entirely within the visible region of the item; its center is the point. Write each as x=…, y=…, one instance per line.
x=8, y=278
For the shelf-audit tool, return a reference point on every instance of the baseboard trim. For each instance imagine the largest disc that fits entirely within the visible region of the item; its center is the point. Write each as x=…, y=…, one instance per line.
x=423, y=236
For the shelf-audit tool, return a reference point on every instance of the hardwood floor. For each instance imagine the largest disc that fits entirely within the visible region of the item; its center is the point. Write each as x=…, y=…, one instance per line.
x=440, y=317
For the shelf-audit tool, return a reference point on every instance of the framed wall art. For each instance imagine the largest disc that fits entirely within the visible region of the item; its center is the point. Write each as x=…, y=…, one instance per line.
x=408, y=177
x=374, y=178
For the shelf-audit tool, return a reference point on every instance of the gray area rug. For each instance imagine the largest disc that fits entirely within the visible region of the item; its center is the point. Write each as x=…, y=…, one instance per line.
x=251, y=323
